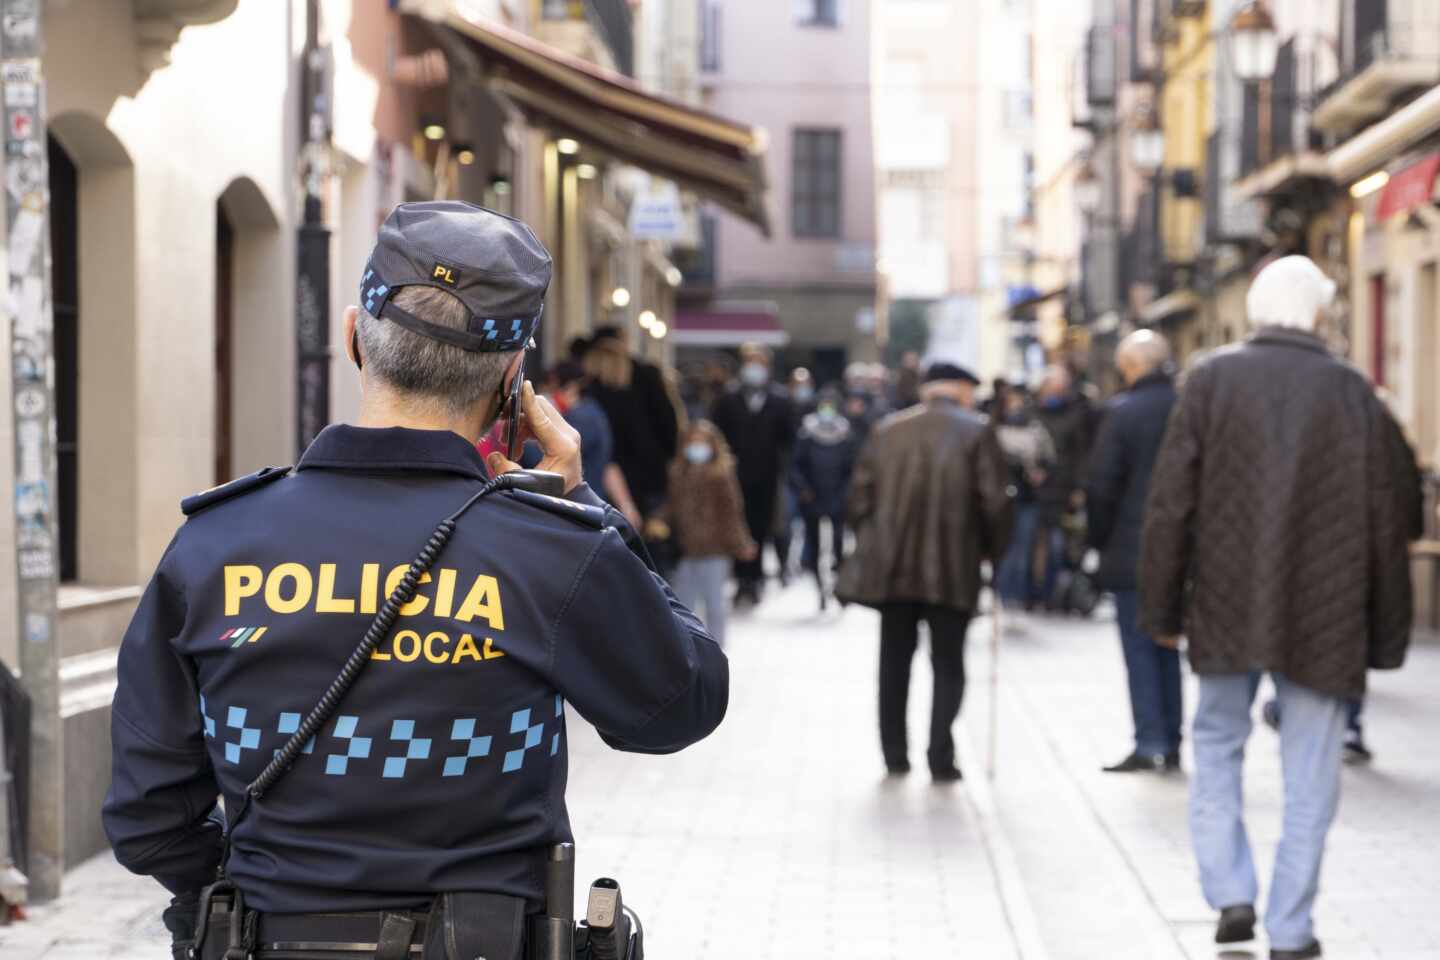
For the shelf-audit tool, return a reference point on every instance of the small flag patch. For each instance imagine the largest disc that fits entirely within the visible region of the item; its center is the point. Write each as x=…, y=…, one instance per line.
x=239, y=635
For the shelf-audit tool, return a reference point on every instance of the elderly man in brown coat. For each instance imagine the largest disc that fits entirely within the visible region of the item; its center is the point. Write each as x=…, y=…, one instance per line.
x=1276, y=539
x=928, y=502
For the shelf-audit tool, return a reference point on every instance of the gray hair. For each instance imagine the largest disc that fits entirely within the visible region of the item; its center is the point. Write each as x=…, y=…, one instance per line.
x=1146, y=349
x=1290, y=292
x=426, y=369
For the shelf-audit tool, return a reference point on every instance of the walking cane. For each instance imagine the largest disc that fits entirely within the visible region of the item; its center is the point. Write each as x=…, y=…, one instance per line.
x=994, y=684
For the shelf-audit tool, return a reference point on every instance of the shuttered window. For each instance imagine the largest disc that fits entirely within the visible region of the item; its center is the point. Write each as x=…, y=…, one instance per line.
x=815, y=183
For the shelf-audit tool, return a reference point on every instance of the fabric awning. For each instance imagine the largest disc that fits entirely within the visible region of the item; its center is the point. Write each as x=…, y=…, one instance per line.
x=1170, y=305
x=717, y=158
x=728, y=328
x=1408, y=189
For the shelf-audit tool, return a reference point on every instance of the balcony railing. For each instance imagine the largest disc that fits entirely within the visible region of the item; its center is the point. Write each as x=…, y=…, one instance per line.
x=611, y=19
x=1387, y=49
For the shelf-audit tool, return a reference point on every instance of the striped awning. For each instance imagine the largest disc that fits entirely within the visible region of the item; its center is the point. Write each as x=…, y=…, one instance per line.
x=728, y=328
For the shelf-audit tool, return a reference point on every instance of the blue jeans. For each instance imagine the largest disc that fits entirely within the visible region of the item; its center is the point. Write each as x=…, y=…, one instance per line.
x=1053, y=536
x=1154, y=672
x=1311, y=735
x=701, y=580
x=1015, y=578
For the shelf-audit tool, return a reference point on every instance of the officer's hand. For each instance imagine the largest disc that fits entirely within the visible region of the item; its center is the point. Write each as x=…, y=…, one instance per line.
x=559, y=442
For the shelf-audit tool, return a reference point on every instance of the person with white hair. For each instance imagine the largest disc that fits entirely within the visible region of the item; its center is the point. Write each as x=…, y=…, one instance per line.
x=1276, y=540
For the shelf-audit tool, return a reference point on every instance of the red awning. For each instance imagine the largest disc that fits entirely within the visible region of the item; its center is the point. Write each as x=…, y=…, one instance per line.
x=1409, y=189
x=728, y=328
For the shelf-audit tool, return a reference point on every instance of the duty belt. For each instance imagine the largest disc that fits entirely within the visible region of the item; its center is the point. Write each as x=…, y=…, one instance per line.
x=384, y=935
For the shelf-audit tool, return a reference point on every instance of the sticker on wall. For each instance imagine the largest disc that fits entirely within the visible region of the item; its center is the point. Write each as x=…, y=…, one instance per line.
x=22, y=88
x=30, y=402
x=21, y=21
x=22, y=124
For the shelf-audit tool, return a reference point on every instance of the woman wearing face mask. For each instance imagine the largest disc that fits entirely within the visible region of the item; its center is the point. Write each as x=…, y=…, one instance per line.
x=707, y=523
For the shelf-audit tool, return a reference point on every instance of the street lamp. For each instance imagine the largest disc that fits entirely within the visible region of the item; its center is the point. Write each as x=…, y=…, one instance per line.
x=1147, y=146
x=1254, y=44
x=647, y=319
x=620, y=297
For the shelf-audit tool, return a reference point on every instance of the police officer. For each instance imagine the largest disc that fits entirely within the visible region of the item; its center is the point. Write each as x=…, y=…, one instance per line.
x=443, y=769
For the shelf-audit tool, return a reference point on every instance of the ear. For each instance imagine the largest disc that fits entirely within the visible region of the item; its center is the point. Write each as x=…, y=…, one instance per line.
x=352, y=313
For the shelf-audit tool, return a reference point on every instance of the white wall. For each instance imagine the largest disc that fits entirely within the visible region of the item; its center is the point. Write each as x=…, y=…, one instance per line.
x=222, y=110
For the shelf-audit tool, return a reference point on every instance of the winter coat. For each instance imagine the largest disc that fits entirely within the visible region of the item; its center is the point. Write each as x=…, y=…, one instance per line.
x=1071, y=425
x=1028, y=451
x=644, y=424
x=928, y=504
x=705, y=512
x=1120, y=471
x=1282, y=503
x=760, y=439
x=823, y=461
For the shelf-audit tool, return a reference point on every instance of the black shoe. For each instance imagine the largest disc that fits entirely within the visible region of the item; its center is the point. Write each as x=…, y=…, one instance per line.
x=950, y=774
x=1355, y=750
x=1237, y=924
x=1139, y=763
x=1270, y=713
x=1172, y=761
x=1304, y=953
x=898, y=769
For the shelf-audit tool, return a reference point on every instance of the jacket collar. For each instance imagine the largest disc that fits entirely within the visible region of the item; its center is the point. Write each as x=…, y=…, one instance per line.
x=1158, y=378
x=385, y=449
x=1289, y=337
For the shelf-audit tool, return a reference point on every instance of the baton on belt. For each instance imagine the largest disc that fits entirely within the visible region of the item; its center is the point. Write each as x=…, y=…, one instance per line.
x=558, y=942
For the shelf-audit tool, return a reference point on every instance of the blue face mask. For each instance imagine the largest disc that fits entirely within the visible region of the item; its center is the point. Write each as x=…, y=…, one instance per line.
x=803, y=393
x=754, y=375
x=699, y=452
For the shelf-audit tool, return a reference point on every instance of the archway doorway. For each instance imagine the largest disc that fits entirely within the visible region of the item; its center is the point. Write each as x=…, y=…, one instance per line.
x=254, y=338
x=92, y=242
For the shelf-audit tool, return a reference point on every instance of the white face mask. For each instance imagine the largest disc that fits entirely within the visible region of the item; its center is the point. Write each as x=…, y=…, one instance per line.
x=754, y=375
x=699, y=452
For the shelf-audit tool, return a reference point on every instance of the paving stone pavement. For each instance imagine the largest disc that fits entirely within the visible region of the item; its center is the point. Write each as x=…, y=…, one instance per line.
x=1064, y=714
x=779, y=838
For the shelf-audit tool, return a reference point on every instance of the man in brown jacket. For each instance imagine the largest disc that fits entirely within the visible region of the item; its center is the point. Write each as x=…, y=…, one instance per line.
x=1276, y=539
x=928, y=502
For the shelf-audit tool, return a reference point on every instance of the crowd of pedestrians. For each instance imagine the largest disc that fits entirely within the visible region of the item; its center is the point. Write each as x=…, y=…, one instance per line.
x=1261, y=505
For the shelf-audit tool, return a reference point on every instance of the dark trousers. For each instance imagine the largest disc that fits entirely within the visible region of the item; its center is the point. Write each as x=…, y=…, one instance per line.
x=810, y=558
x=1154, y=671
x=899, y=634
x=760, y=518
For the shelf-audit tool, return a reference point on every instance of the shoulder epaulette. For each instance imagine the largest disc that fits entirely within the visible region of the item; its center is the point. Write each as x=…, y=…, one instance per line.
x=192, y=505
x=582, y=513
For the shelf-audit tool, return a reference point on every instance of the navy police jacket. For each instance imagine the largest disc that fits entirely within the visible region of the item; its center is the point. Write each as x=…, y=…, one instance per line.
x=444, y=767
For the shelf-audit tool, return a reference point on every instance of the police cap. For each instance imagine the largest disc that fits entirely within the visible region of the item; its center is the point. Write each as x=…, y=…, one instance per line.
x=492, y=263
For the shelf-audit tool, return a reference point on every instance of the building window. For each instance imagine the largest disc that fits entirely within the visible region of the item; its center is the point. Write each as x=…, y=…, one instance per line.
x=815, y=183
x=817, y=13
